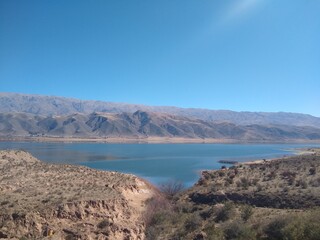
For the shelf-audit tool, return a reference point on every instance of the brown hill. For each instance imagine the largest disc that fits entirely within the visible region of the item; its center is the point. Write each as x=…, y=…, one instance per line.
x=45, y=201
x=144, y=125
x=52, y=106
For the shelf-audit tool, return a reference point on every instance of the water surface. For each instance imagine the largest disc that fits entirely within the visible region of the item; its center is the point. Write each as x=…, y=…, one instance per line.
x=155, y=162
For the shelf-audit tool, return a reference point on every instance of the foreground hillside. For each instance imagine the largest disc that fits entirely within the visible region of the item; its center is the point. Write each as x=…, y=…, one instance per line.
x=291, y=182
x=144, y=126
x=277, y=199
x=40, y=200
x=54, y=106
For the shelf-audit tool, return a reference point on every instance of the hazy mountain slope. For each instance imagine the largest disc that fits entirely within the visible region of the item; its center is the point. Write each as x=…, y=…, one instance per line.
x=49, y=105
x=143, y=125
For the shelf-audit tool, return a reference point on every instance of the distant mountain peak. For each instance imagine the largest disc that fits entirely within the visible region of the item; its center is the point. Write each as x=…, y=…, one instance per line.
x=61, y=106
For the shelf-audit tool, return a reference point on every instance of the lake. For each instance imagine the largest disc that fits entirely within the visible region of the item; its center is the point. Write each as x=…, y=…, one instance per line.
x=155, y=162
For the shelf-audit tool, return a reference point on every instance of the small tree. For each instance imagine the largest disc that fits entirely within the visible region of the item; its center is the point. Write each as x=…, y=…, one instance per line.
x=171, y=188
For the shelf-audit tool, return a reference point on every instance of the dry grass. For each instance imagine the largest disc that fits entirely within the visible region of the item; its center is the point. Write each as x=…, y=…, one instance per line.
x=247, y=202
x=66, y=196
x=291, y=182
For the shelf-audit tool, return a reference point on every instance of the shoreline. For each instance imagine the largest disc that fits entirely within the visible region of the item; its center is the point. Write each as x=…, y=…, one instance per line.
x=152, y=140
x=296, y=152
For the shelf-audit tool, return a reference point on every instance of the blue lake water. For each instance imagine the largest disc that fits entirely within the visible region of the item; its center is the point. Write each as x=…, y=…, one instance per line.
x=154, y=162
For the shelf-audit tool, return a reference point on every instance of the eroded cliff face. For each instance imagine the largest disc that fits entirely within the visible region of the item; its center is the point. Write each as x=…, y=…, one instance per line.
x=39, y=201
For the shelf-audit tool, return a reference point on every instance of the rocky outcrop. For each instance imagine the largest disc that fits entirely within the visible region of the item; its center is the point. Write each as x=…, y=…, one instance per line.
x=39, y=201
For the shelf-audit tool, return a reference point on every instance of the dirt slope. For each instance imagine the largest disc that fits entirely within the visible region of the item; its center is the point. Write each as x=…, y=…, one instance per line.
x=39, y=201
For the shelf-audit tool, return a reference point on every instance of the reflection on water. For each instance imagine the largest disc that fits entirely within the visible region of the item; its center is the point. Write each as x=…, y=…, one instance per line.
x=155, y=162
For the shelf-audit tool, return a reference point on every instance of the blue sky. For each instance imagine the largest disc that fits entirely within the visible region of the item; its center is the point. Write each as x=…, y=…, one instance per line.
x=243, y=55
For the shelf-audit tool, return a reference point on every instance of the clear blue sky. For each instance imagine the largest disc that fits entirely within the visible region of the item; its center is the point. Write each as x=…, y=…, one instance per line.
x=243, y=55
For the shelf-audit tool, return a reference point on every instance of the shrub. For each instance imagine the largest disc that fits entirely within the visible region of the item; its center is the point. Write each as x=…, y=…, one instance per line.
x=205, y=214
x=255, y=181
x=246, y=212
x=171, y=188
x=259, y=188
x=245, y=182
x=214, y=233
x=193, y=223
x=229, y=179
x=151, y=233
x=4, y=202
x=289, y=176
x=104, y=223
x=226, y=212
x=271, y=175
x=306, y=226
x=183, y=208
x=159, y=217
x=240, y=231
x=274, y=229
x=312, y=171
x=315, y=182
x=157, y=213
x=155, y=207
x=263, y=168
x=302, y=183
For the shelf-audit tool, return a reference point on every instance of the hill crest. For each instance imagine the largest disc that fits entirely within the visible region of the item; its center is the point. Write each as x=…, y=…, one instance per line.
x=53, y=106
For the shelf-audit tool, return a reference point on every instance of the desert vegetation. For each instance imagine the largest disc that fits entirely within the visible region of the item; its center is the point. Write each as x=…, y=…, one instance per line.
x=40, y=200
x=276, y=199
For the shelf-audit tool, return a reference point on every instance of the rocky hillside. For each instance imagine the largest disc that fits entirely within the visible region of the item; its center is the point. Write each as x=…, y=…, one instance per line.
x=291, y=182
x=143, y=125
x=275, y=200
x=46, y=201
x=52, y=106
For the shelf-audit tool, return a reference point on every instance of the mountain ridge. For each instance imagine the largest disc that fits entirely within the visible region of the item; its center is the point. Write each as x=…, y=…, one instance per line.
x=52, y=106
x=144, y=125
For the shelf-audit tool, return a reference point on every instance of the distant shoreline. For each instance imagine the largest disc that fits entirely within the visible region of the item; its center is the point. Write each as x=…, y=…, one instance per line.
x=151, y=140
x=307, y=151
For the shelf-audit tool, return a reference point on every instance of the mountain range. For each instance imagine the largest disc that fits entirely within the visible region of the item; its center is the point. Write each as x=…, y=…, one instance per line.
x=23, y=115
